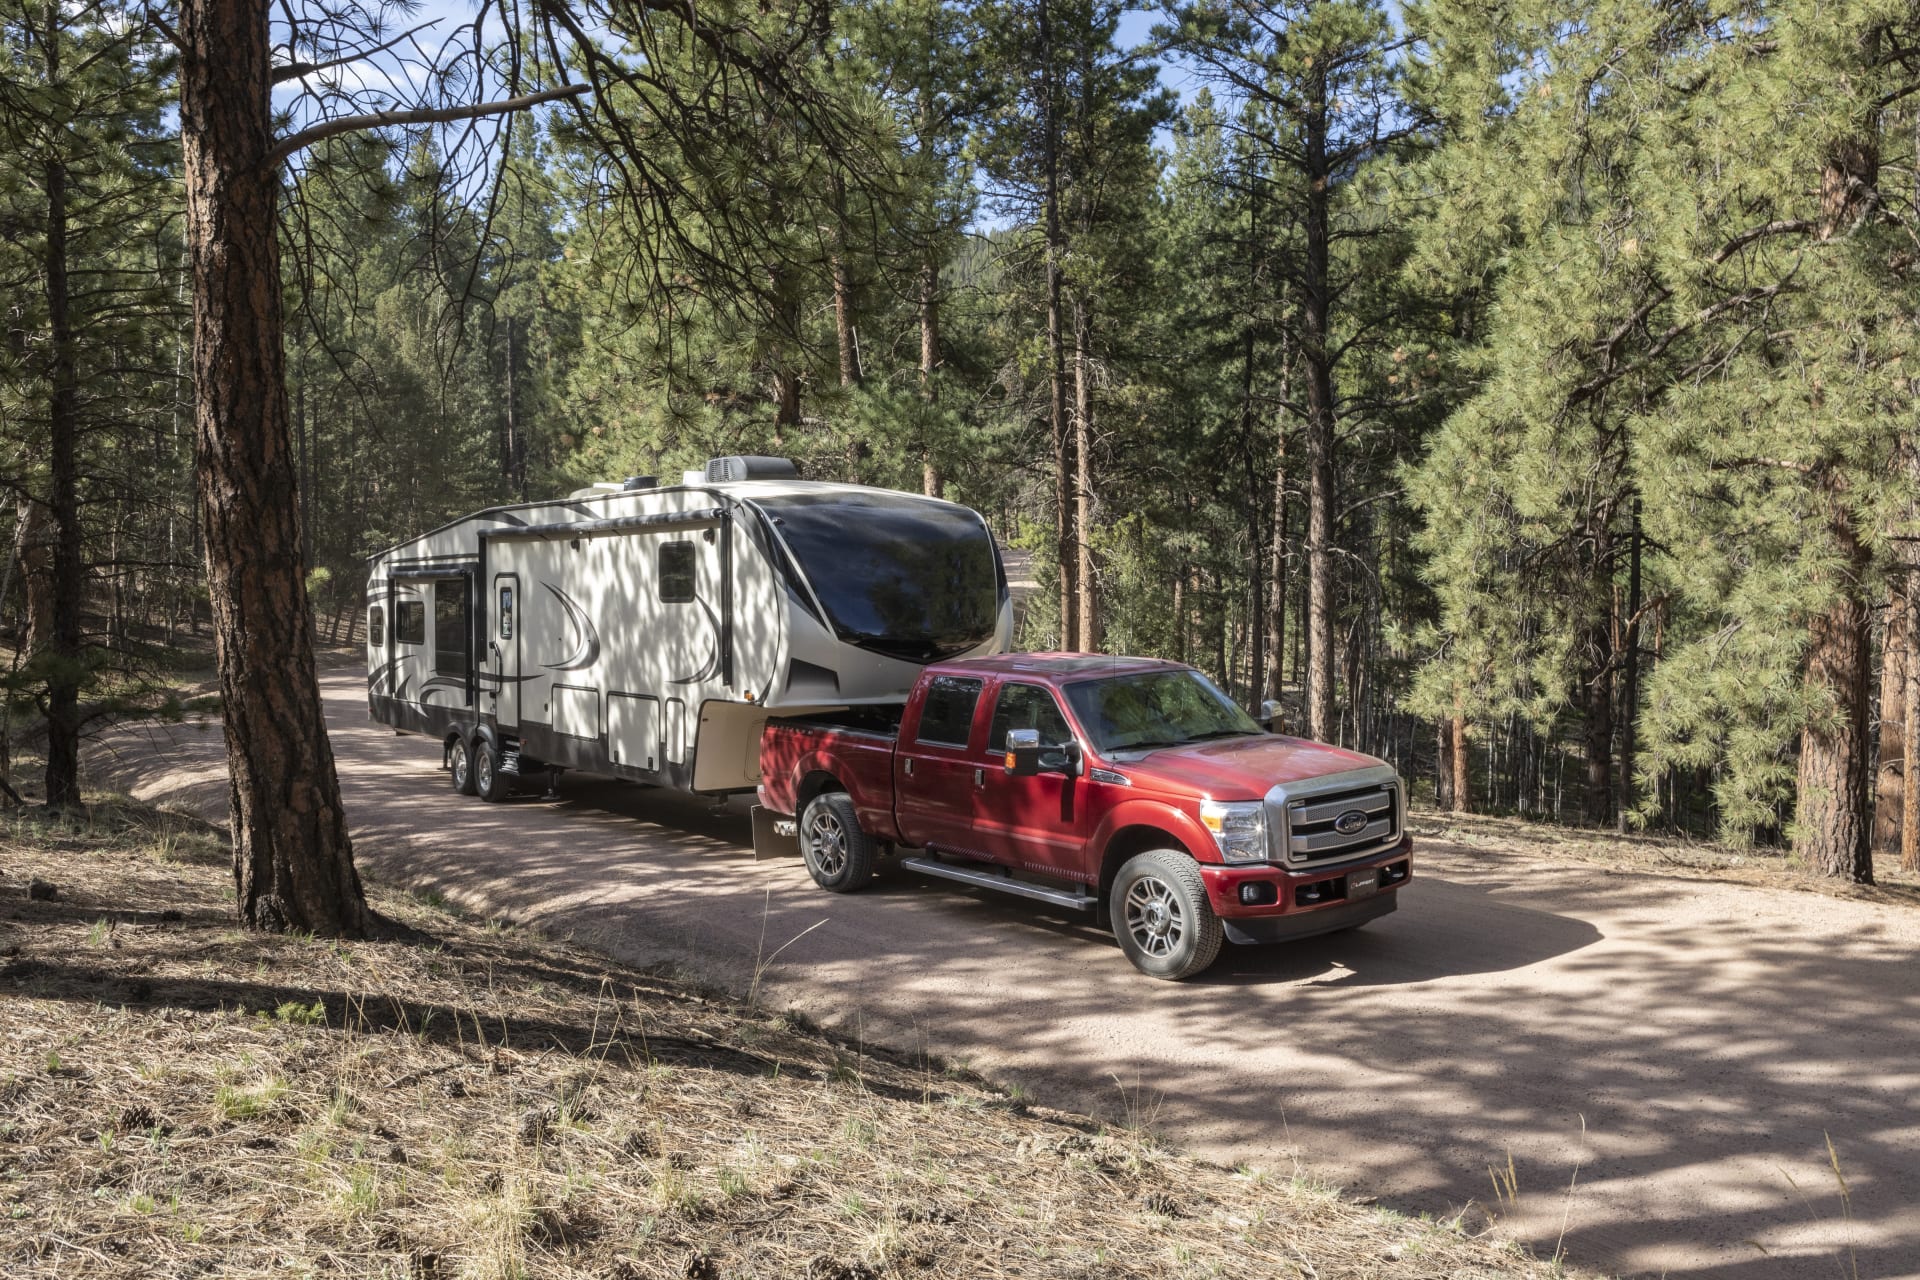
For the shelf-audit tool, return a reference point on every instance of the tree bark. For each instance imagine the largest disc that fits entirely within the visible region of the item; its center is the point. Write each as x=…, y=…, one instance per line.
x=1084, y=584
x=1462, y=787
x=63, y=665
x=34, y=541
x=293, y=861
x=1831, y=825
x=1896, y=657
x=1316, y=302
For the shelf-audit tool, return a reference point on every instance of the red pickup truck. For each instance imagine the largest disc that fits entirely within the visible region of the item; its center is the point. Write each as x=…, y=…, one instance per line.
x=1131, y=786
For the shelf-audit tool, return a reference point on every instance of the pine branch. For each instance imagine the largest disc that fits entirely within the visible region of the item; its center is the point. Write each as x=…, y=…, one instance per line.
x=295, y=70
x=381, y=119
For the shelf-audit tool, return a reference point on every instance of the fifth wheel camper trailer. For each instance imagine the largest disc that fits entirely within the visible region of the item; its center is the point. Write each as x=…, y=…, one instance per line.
x=647, y=633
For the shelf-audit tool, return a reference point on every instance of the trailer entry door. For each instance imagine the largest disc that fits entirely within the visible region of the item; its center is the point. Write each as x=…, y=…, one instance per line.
x=503, y=651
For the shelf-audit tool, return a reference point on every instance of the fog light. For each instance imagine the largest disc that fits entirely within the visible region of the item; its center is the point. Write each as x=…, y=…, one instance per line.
x=1259, y=893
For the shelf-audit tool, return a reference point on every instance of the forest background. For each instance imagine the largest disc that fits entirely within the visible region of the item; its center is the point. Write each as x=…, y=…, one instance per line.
x=1524, y=392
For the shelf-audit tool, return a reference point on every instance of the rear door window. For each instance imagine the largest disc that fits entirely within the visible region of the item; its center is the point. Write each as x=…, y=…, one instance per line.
x=946, y=715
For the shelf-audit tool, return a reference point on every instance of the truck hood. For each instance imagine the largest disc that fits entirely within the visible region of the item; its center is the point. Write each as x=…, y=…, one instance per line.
x=1240, y=768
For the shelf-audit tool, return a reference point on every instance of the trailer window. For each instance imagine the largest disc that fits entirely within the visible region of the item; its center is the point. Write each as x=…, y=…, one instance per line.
x=450, y=631
x=410, y=622
x=946, y=717
x=907, y=577
x=676, y=573
x=506, y=613
x=377, y=627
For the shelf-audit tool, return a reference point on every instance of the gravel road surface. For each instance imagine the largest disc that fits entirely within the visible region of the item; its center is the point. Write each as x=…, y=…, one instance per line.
x=1687, y=1047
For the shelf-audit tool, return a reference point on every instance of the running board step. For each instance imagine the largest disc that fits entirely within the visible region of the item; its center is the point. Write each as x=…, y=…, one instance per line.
x=982, y=879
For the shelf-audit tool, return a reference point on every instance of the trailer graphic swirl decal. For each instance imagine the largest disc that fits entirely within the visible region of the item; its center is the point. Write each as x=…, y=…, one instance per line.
x=588, y=651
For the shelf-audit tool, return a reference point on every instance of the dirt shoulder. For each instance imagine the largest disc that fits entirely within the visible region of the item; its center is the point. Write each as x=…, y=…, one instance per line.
x=1660, y=855
x=179, y=1097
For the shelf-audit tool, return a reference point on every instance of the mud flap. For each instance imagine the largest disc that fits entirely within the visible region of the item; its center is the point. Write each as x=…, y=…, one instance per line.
x=774, y=835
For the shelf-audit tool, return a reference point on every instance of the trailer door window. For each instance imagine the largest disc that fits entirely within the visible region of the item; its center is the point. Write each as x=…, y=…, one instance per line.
x=946, y=717
x=450, y=630
x=410, y=622
x=676, y=573
x=377, y=627
x=506, y=613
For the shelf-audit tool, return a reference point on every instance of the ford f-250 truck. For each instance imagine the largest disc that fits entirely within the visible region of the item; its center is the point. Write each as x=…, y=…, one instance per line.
x=1125, y=785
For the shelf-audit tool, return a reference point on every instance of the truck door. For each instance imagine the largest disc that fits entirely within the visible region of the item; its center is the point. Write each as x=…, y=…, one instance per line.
x=503, y=652
x=934, y=767
x=1036, y=823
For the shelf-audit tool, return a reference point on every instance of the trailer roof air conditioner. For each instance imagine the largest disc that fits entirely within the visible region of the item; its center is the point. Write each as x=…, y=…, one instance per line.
x=750, y=467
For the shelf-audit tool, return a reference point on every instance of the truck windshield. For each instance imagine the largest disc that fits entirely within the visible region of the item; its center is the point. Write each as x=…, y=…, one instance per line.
x=1155, y=709
x=902, y=576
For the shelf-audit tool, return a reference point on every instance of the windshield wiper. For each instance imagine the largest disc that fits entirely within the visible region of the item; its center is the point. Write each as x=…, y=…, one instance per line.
x=1219, y=733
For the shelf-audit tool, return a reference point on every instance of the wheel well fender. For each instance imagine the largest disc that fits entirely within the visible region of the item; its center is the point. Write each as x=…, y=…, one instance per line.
x=815, y=782
x=1129, y=841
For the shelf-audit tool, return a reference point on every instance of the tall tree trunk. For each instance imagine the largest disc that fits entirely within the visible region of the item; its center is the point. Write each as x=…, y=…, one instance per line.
x=64, y=668
x=1443, y=764
x=1066, y=528
x=1910, y=774
x=293, y=861
x=1316, y=302
x=1085, y=585
x=1896, y=657
x=1831, y=825
x=843, y=289
x=1630, y=705
x=1277, y=579
x=1459, y=758
x=34, y=545
x=932, y=482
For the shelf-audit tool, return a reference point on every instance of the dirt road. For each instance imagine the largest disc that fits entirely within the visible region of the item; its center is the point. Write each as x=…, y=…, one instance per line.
x=1689, y=1046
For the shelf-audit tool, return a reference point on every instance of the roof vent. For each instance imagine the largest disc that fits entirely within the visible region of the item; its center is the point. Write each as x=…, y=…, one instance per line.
x=640, y=482
x=749, y=467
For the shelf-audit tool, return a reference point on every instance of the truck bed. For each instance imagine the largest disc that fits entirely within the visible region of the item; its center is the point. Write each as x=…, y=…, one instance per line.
x=855, y=747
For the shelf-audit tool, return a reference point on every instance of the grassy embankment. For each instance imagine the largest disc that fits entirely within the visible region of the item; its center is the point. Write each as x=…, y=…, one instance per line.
x=179, y=1097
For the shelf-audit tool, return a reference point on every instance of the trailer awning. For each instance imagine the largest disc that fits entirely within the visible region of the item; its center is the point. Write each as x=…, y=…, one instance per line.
x=662, y=522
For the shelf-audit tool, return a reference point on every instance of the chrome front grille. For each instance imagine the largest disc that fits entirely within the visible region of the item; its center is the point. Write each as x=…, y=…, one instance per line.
x=1310, y=828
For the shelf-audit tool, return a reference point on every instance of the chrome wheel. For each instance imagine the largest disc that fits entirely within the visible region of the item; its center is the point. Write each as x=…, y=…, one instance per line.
x=1154, y=918
x=460, y=766
x=483, y=773
x=826, y=843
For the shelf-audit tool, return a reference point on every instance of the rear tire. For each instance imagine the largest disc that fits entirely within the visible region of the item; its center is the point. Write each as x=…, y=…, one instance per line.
x=838, y=854
x=488, y=781
x=460, y=766
x=1161, y=916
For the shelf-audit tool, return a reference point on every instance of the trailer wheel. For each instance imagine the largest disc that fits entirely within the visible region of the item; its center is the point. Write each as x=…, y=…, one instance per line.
x=1161, y=915
x=460, y=766
x=488, y=781
x=838, y=854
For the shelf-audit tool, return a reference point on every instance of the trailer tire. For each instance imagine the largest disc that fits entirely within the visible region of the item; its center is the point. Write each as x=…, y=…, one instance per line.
x=488, y=782
x=1161, y=916
x=838, y=854
x=460, y=766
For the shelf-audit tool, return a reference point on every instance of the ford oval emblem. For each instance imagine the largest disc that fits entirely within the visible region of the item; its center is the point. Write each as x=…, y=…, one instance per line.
x=1351, y=823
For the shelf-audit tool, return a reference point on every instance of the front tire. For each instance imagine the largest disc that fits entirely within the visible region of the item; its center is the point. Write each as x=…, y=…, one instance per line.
x=488, y=781
x=460, y=766
x=838, y=854
x=1161, y=916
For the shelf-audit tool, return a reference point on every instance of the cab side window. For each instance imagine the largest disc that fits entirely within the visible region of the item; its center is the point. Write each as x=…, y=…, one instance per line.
x=1027, y=706
x=946, y=716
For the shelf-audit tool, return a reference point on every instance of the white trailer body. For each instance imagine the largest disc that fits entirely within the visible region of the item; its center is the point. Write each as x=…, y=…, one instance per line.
x=647, y=633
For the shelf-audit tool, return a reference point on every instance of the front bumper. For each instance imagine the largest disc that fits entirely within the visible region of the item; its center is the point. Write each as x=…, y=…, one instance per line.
x=1292, y=903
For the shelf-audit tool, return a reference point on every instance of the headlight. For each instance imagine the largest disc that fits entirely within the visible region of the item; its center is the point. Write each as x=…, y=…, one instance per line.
x=1239, y=829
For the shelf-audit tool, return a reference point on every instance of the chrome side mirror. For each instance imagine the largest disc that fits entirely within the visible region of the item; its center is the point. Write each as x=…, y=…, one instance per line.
x=1270, y=715
x=1023, y=752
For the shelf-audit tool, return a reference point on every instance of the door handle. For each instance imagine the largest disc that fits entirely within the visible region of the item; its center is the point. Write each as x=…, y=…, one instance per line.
x=906, y=767
x=979, y=777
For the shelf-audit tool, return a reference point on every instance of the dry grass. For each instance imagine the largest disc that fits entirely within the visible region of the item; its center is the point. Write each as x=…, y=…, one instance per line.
x=1661, y=854
x=181, y=1098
